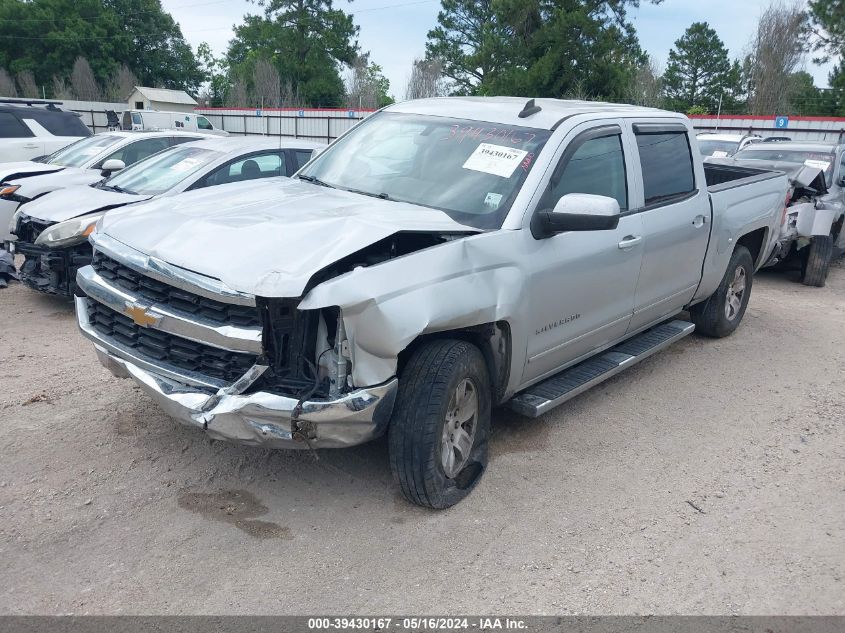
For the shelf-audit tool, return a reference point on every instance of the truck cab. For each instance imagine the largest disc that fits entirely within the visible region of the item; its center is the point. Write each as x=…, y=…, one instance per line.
x=135, y=120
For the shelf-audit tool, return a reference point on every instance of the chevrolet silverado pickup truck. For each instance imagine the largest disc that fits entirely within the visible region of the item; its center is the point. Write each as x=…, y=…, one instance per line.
x=443, y=257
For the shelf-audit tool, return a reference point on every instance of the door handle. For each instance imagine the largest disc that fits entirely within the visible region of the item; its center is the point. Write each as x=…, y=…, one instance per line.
x=699, y=221
x=31, y=146
x=629, y=242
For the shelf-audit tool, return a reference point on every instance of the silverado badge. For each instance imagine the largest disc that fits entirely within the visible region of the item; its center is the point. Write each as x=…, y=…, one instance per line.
x=140, y=315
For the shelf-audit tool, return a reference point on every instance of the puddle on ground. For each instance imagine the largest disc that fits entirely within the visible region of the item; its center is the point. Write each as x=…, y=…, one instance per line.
x=236, y=507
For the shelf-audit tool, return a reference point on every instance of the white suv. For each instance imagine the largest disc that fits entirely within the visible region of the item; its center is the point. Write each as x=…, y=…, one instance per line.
x=29, y=129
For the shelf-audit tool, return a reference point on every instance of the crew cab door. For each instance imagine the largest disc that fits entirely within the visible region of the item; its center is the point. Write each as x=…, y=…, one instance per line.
x=672, y=200
x=582, y=282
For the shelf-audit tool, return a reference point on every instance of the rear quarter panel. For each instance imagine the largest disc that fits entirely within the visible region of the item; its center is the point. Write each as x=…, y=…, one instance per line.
x=738, y=211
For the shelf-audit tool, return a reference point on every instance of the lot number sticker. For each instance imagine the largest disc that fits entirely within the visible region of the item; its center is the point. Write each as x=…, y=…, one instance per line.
x=495, y=159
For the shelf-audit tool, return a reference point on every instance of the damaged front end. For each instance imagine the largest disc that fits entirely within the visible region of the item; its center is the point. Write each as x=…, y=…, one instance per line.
x=250, y=370
x=47, y=269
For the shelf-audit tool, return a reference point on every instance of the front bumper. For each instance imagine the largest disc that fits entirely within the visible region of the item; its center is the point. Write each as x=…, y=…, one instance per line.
x=52, y=270
x=256, y=419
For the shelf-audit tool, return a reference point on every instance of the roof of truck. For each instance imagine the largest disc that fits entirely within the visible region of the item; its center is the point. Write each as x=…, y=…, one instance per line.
x=506, y=110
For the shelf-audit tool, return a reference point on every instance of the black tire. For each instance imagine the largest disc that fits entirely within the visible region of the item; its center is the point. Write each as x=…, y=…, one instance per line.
x=816, y=262
x=711, y=316
x=416, y=434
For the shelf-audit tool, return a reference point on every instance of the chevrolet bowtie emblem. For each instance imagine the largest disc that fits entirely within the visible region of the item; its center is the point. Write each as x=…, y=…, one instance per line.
x=140, y=315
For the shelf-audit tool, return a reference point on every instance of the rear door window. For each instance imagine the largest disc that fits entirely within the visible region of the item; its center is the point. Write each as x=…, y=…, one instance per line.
x=61, y=123
x=203, y=123
x=666, y=166
x=11, y=127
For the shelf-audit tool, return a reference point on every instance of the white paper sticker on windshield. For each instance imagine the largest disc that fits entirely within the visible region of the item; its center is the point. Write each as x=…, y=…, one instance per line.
x=495, y=159
x=493, y=200
x=818, y=164
x=720, y=154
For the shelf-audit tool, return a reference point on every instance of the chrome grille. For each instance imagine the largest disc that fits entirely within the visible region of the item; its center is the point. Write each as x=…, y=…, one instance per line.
x=162, y=346
x=177, y=299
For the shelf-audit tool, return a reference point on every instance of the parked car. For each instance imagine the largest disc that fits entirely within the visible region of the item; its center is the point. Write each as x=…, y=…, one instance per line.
x=812, y=234
x=158, y=120
x=52, y=230
x=84, y=162
x=29, y=128
x=724, y=145
x=501, y=252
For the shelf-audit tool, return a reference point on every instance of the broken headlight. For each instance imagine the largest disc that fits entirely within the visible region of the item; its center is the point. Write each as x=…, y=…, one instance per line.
x=70, y=232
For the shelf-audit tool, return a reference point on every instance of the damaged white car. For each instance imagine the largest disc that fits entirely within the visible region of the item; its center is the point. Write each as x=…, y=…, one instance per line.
x=444, y=257
x=811, y=234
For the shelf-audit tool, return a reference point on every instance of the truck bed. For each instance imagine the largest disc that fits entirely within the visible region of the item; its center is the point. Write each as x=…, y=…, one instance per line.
x=721, y=176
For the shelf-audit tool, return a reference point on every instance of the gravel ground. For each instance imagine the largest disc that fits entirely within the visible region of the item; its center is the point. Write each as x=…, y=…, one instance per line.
x=707, y=480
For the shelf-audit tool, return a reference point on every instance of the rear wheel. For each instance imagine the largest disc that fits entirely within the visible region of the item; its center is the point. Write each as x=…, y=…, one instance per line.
x=722, y=312
x=441, y=423
x=816, y=262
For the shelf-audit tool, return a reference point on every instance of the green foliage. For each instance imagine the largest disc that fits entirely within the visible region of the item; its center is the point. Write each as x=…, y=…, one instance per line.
x=306, y=40
x=544, y=48
x=699, y=72
x=47, y=36
x=827, y=19
x=696, y=109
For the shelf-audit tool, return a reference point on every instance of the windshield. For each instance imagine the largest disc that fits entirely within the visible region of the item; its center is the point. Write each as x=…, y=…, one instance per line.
x=79, y=153
x=819, y=160
x=718, y=149
x=161, y=172
x=469, y=169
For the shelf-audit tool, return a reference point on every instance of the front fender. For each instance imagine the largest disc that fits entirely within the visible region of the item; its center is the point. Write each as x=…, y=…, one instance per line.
x=812, y=221
x=459, y=284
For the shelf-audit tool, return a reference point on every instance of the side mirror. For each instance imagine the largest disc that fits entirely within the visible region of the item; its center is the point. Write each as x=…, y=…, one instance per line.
x=112, y=165
x=577, y=212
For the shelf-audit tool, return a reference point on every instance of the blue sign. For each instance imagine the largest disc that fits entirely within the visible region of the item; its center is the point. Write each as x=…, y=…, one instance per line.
x=351, y=114
x=302, y=113
x=258, y=112
x=781, y=122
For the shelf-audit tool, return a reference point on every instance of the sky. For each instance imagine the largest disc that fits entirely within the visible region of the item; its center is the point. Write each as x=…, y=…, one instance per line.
x=394, y=31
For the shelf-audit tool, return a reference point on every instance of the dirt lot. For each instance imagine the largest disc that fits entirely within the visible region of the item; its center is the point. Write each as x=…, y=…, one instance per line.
x=709, y=479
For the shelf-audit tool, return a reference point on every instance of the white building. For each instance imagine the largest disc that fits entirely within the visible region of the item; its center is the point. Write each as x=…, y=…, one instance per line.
x=161, y=99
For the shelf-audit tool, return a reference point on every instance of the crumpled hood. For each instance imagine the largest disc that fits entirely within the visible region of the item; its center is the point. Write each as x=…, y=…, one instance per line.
x=267, y=237
x=11, y=171
x=72, y=202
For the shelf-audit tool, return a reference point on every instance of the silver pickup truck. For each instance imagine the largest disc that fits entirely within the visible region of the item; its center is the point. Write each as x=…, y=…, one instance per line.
x=444, y=257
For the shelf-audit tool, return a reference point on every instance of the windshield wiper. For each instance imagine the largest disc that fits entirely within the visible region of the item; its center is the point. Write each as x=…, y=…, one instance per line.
x=381, y=196
x=116, y=188
x=316, y=181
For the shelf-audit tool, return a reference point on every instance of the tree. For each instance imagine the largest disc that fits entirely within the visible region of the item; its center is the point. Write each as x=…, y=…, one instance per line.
x=699, y=72
x=27, y=86
x=366, y=86
x=827, y=20
x=537, y=47
x=426, y=79
x=267, y=85
x=306, y=40
x=647, y=86
x=471, y=42
x=121, y=84
x=777, y=49
x=7, y=84
x=82, y=81
x=46, y=36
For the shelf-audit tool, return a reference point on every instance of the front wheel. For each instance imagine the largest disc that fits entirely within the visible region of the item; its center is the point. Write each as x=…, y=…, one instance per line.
x=816, y=262
x=722, y=312
x=440, y=426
